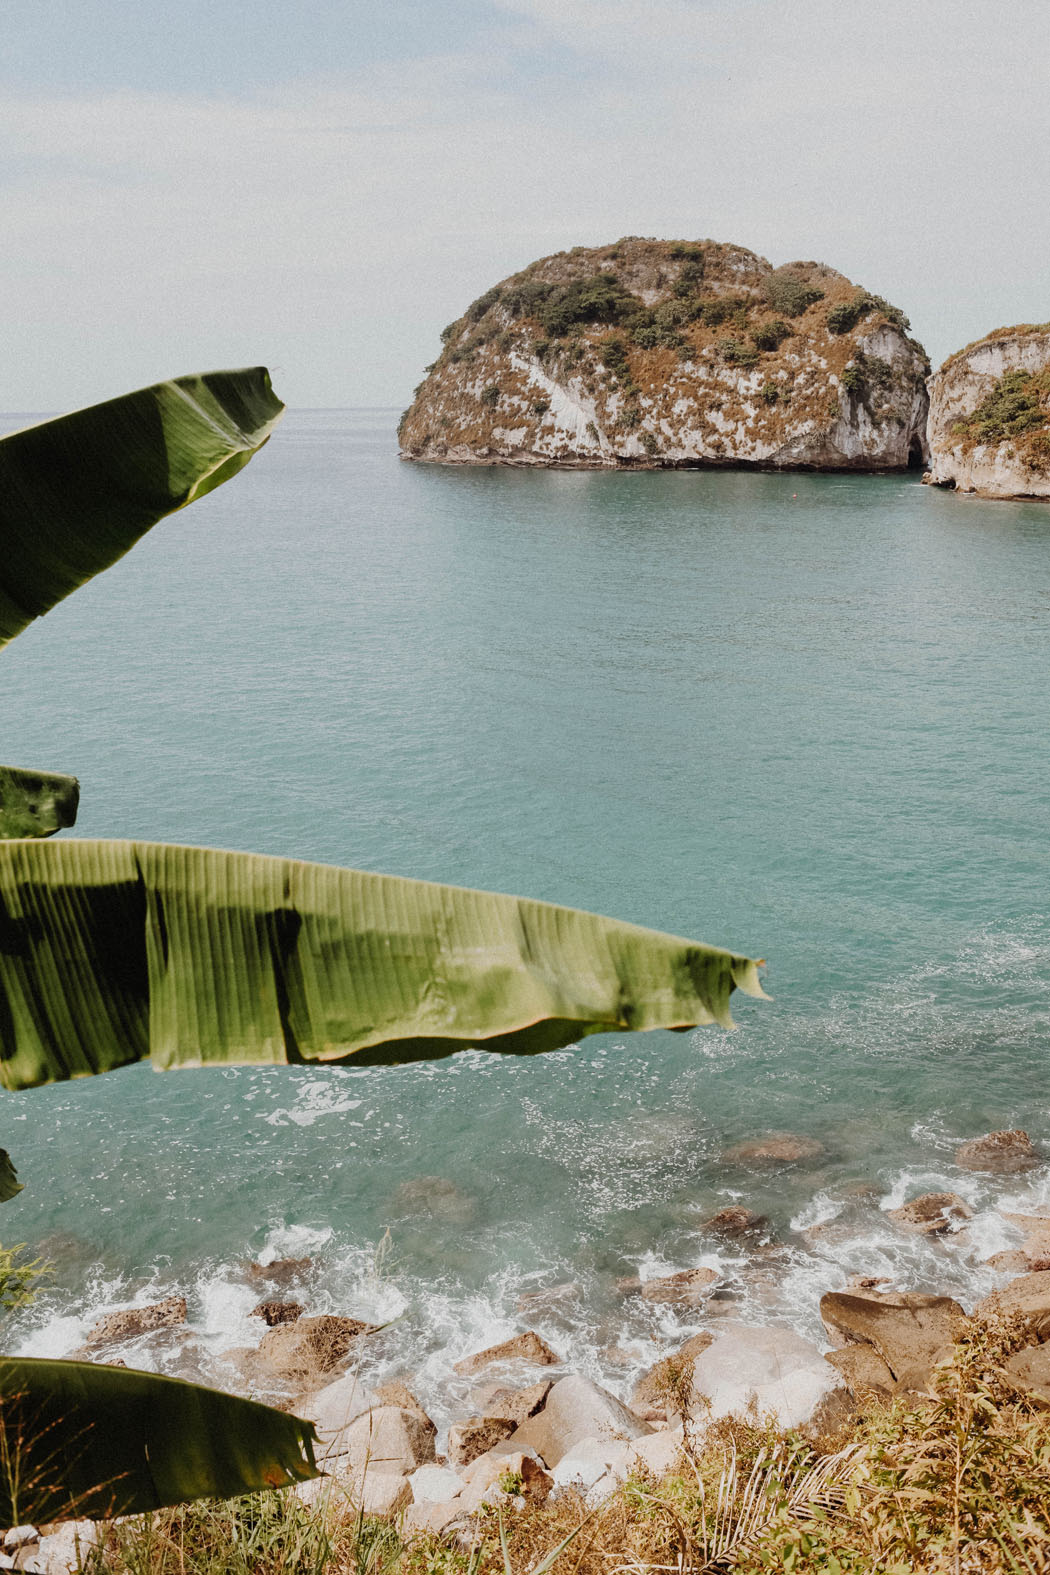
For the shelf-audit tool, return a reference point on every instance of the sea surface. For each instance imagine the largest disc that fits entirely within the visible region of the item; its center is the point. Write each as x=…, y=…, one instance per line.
x=801, y=716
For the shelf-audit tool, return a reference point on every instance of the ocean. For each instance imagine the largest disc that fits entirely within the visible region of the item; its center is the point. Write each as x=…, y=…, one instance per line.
x=800, y=716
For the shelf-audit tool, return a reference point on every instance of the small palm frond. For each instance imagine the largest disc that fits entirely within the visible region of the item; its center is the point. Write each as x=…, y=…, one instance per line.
x=781, y=1481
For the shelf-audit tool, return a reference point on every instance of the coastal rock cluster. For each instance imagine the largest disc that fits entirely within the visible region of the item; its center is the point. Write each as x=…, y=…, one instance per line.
x=652, y=353
x=527, y=1425
x=990, y=416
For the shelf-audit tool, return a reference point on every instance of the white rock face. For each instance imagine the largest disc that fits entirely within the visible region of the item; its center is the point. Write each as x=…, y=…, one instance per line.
x=774, y=1370
x=995, y=470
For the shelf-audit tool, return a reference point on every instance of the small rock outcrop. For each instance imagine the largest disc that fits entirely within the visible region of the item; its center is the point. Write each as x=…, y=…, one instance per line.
x=906, y=1331
x=1000, y=1153
x=933, y=1214
x=527, y=1347
x=133, y=1321
x=654, y=354
x=989, y=426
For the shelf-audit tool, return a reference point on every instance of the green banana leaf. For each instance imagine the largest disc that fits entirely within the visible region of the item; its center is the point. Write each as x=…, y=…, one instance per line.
x=77, y=492
x=112, y=952
x=79, y=1439
x=36, y=803
x=10, y=1186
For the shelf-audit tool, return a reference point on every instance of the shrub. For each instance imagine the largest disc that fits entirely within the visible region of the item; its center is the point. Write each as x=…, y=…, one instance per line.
x=477, y=309
x=649, y=443
x=737, y=353
x=852, y=378
x=540, y=407
x=613, y=354
x=449, y=330
x=599, y=299
x=630, y=417
x=654, y=337
x=771, y=334
x=525, y=298
x=844, y=317
x=490, y=396
x=789, y=294
x=1014, y=406
x=769, y=393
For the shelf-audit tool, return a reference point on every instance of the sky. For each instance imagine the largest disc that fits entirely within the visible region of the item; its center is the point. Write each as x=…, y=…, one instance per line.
x=322, y=185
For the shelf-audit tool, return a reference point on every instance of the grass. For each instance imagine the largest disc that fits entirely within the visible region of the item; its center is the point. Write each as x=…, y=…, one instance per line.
x=950, y=1483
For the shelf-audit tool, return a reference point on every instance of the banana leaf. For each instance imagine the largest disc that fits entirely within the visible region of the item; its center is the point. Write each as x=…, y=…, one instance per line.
x=113, y=952
x=91, y=1441
x=10, y=1186
x=36, y=803
x=77, y=492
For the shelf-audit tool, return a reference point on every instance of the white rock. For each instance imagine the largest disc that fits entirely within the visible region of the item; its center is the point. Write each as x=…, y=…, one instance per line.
x=385, y=1439
x=434, y=1485
x=575, y=1410
x=63, y=1551
x=18, y=1536
x=333, y=1408
x=589, y=1460
x=963, y=382
x=658, y=1453
x=773, y=1369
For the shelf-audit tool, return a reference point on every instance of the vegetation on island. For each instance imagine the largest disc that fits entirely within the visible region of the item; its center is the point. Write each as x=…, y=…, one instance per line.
x=1015, y=411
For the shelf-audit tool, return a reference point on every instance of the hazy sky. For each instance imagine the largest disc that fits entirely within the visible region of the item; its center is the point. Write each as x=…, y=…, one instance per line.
x=321, y=185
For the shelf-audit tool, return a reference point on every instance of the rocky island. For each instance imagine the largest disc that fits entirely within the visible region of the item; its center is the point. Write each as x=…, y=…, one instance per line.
x=990, y=415
x=652, y=353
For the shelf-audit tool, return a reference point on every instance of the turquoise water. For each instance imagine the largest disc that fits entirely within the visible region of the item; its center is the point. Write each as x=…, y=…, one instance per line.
x=800, y=716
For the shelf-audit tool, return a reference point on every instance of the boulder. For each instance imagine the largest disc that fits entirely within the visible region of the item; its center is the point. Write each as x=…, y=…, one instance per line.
x=65, y=1549
x=863, y=1371
x=1029, y=1295
x=521, y=1470
x=132, y=1321
x=396, y=1392
x=305, y=1350
x=432, y=1520
x=736, y=1221
x=933, y=1214
x=386, y=1439
x=383, y=1494
x=589, y=1460
x=526, y=1347
x=1001, y=1153
x=1019, y=1260
x=772, y=1370
x=20, y=1537
x=576, y=1409
x=1029, y=1369
x=776, y=1148
x=282, y=1271
x=658, y=1453
x=513, y=1405
x=468, y=1440
x=687, y=1288
x=653, y=1388
x=433, y=1484
x=907, y=1330
x=333, y=1408
x=273, y=1313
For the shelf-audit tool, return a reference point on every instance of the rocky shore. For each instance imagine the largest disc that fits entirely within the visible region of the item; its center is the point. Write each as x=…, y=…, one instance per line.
x=990, y=416
x=524, y=1424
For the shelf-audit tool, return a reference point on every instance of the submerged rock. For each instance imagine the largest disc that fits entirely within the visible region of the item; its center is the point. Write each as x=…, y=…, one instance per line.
x=305, y=1350
x=687, y=1288
x=990, y=415
x=776, y=1148
x=282, y=1271
x=736, y=1221
x=670, y=353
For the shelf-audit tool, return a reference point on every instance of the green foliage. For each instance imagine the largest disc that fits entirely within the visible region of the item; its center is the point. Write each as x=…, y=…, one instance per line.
x=525, y=298
x=18, y=1277
x=737, y=353
x=484, y=303
x=541, y=349
x=450, y=330
x=490, y=396
x=630, y=418
x=687, y=250
x=649, y=443
x=1016, y=405
x=651, y=336
x=613, y=354
x=788, y=294
x=599, y=299
x=852, y=378
x=770, y=393
x=770, y=335
x=842, y=319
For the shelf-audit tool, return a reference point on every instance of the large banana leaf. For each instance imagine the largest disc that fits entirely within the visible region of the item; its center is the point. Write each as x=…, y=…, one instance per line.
x=36, y=803
x=77, y=492
x=10, y=1186
x=86, y=1440
x=111, y=952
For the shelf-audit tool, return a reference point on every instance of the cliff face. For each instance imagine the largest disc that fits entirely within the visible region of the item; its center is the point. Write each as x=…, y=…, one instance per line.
x=990, y=416
x=664, y=353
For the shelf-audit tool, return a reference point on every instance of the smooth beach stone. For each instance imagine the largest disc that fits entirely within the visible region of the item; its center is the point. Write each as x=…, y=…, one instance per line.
x=434, y=1484
x=1029, y=1369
